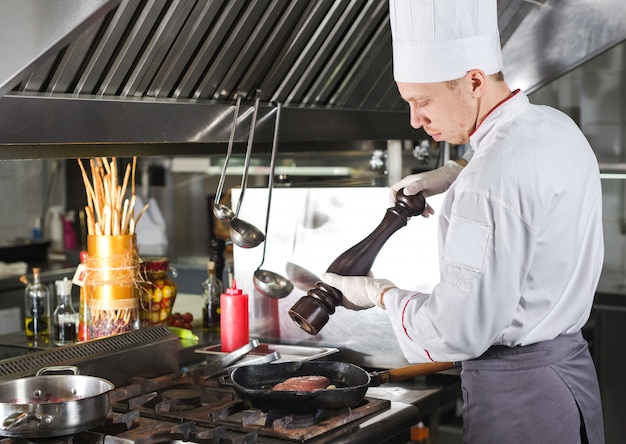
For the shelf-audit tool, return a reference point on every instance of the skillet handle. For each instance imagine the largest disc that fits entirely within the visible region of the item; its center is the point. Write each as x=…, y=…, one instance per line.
x=409, y=372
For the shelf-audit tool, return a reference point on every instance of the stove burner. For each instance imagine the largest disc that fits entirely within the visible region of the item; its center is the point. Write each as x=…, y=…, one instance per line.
x=182, y=399
x=296, y=420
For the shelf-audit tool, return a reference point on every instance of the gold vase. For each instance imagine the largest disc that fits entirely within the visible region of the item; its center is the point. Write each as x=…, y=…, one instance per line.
x=112, y=285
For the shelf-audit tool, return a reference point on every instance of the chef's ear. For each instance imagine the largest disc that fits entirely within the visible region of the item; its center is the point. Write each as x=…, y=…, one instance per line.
x=478, y=81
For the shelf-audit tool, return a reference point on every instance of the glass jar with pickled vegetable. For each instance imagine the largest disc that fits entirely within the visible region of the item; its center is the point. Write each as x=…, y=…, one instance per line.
x=159, y=291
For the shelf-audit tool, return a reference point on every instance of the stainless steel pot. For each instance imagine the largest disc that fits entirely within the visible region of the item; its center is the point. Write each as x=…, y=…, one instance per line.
x=53, y=405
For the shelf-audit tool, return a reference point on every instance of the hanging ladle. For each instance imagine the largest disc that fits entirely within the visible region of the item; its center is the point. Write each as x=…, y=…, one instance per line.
x=242, y=233
x=222, y=212
x=268, y=283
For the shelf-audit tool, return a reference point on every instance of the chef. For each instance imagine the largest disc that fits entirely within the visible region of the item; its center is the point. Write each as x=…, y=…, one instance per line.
x=520, y=236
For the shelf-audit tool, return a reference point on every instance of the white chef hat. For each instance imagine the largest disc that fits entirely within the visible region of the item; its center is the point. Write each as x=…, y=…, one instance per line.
x=440, y=40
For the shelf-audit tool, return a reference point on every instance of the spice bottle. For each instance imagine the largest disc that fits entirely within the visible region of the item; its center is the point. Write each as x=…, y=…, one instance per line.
x=234, y=331
x=64, y=318
x=37, y=308
x=211, y=293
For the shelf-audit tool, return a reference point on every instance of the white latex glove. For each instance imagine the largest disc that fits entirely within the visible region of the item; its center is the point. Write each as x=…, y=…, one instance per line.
x=429, y=183
x=359, y=292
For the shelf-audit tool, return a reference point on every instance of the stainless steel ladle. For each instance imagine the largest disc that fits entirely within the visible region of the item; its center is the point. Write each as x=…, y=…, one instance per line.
x=268, y=283
x=242, y=233
x=222, y=212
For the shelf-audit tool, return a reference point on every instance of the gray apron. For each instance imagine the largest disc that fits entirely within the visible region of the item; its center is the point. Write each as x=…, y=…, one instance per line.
x=540, y=393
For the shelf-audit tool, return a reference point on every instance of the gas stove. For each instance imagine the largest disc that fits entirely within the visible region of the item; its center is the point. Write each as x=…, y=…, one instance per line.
x=209, y=411
x=185, y=406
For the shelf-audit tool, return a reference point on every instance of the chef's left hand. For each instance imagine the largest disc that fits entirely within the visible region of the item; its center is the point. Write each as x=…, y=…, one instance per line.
x=359, y=292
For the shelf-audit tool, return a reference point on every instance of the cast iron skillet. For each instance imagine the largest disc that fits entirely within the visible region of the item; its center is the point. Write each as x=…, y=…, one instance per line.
x=253, y=383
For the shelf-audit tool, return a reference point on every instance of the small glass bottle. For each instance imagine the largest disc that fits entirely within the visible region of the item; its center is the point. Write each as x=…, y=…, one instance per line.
x=37, y=308
x=211, y=291
x=64, y=318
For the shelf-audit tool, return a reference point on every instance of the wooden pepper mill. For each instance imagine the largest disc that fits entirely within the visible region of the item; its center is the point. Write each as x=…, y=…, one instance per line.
x=312, y=311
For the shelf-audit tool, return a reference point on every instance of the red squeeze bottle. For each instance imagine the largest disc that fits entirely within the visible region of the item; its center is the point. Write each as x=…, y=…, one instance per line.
x=234, y=319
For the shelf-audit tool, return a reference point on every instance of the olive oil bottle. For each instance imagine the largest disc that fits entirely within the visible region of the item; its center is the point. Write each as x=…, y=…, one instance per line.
x=37, y=309
x=211, y=291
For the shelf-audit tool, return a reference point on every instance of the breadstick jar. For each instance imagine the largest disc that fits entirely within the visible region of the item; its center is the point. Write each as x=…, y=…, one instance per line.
x=112, y=284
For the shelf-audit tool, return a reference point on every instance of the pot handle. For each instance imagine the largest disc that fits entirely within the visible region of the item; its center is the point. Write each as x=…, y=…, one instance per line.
x=19, y=418
x=409, y=372
x=57, y=369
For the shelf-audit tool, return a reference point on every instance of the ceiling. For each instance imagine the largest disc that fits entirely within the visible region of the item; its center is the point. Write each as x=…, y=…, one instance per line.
x=98, y=76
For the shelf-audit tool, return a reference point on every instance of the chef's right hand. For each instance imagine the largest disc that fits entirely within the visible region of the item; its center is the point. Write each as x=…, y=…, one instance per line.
x=429, y=183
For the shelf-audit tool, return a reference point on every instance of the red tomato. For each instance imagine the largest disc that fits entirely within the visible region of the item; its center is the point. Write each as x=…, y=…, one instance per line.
x=188, y=318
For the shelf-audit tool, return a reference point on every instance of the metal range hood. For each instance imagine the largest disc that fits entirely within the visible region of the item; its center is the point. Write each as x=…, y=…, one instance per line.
x=161, y=76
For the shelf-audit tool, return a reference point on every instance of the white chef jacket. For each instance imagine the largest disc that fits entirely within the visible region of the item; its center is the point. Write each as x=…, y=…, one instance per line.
x=520, y=241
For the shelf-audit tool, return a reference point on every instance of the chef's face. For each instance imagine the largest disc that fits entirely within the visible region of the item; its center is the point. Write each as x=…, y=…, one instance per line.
x=446, y=110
